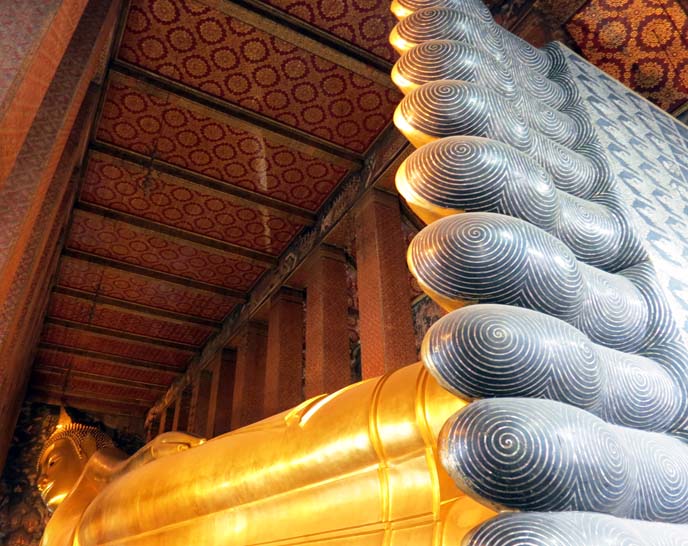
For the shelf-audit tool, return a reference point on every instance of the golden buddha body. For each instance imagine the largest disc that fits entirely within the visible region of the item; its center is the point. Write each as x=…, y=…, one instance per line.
x=358, y=466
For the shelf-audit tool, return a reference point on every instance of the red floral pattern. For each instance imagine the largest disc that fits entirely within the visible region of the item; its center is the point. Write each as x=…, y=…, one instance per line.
x=127, y=187
x=195, y=138
x=78, y=339
x=56, y=359
x=642, y=43
x=142, y=290
x=123, y=242
x=204, y=48
x=365, y=23
x=97, y=314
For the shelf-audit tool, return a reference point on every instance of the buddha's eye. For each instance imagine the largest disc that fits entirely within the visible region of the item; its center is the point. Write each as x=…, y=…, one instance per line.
x=52, y=461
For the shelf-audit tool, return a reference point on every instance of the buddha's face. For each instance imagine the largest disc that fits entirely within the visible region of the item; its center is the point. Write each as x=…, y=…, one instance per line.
x=59, y=469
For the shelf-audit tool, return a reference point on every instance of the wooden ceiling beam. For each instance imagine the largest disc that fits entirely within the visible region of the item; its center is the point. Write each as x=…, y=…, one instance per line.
x=146, y=272
x=47, y=396
x=95, y=397
x=289, y=211
x=102, y=379
x=119, y=334
x=246, y=254
x=309, y=30
x=353, y=159
x=111, y=359
x=152, y=312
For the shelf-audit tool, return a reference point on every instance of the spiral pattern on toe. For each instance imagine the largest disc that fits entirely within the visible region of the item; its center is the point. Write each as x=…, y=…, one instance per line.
x=452, y=60
x=447, y=108
x=525, y=212
x=580, y=528
x=474, y=174
x=475, y=7
x=497, y=259
x=500, y=351
x=542, y=455
x=447, y=24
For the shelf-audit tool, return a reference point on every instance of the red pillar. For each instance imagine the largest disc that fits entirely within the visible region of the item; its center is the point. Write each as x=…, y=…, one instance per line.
x=328, y=366
x=384, y=300
x=200, y=400
x=221, y=392
x=249, y=381
x=284, y=363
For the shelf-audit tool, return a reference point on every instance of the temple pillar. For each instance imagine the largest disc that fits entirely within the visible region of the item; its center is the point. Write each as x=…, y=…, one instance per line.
x=181, y=411
x=221, y=392
x=284, y=362
x=327, y=334
x=384, y=299
x=200, y=401
x=249, y=379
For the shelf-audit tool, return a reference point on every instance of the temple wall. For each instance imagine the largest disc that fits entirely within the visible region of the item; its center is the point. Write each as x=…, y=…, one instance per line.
x=648, y=150
x=22, y=513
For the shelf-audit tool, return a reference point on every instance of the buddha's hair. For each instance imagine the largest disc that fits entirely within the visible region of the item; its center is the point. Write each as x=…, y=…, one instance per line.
x=76, y=433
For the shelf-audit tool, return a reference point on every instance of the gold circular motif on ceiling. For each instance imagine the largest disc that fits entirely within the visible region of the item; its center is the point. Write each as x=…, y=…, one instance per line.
x=613, y=34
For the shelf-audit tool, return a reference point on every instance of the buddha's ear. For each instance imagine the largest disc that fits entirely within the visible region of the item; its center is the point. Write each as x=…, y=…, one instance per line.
x=88, y=444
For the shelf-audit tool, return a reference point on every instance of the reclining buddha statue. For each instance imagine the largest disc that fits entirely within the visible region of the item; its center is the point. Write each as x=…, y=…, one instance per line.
x=551, y=404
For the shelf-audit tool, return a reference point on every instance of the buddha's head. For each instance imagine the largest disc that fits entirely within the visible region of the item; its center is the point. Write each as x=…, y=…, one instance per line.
x=64, y=457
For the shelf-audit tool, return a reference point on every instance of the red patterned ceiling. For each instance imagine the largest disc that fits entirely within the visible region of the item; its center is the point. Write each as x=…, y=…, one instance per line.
x=642, y=43
x=79, y=339
x=134, y=116
x=225, y=57
x=365, y=23
x=55, y=359
x=88, y=311
x=126, y=243
x=221, y=134
x=124, y=186
x=142, y=290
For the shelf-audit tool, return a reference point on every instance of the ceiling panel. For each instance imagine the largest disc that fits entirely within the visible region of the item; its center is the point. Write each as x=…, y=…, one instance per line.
x=143, y=290
x=92, y=312
x=205, y=48
x=78, y=339
x=151, y=122
x=145, y=248
x=121, y=185
x=57, y=359
x=365, y=23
